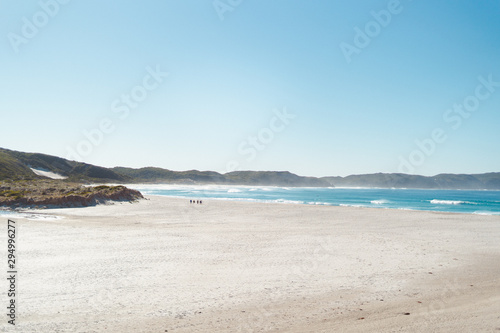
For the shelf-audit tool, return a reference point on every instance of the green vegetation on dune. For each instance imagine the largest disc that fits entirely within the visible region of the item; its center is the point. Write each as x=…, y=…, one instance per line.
x=56, y=193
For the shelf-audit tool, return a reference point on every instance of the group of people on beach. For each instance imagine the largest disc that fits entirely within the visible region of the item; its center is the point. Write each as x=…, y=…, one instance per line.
x=195, y=202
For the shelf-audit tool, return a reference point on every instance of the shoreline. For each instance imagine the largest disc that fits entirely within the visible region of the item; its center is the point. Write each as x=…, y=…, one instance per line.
x=44, y=211
x=271, y=202
x=257, y=201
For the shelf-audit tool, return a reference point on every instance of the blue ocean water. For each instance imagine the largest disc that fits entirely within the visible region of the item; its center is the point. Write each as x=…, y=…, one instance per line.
x=456, y=201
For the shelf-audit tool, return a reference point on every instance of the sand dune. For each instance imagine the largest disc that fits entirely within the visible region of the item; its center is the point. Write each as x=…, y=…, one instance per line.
x=48, y=174
x=165, y=265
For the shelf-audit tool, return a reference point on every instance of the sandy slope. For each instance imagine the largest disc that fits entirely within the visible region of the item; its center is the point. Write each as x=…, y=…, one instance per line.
x=165, y=265
x=48, y=174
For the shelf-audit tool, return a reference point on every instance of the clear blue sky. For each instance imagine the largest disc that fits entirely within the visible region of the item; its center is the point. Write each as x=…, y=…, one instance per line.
x=66, y=69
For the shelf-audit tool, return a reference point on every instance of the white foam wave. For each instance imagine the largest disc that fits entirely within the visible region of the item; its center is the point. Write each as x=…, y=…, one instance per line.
x=379, y=202
x=287, y=201
x=447, y=202
x=486, y=213
x=234, y=190
x=352, y=205
x=318, y=203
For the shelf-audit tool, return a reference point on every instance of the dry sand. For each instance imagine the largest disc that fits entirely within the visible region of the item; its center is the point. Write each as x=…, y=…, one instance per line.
x=163, y=265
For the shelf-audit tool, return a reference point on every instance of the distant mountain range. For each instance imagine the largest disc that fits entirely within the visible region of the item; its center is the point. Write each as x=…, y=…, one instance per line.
x=483, y=181
x=16, y=165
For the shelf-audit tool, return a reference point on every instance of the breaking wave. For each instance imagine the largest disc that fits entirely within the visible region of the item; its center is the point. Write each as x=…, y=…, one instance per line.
x=379, y=202
x=450, y=202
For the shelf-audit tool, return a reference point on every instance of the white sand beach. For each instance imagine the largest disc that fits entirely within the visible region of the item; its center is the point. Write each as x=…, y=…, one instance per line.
x=164, y=265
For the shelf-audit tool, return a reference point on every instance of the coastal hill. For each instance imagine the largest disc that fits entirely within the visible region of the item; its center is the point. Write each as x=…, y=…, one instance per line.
x=16, y=165
x=281, y=178
x=256, y=178
x=484, y=181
